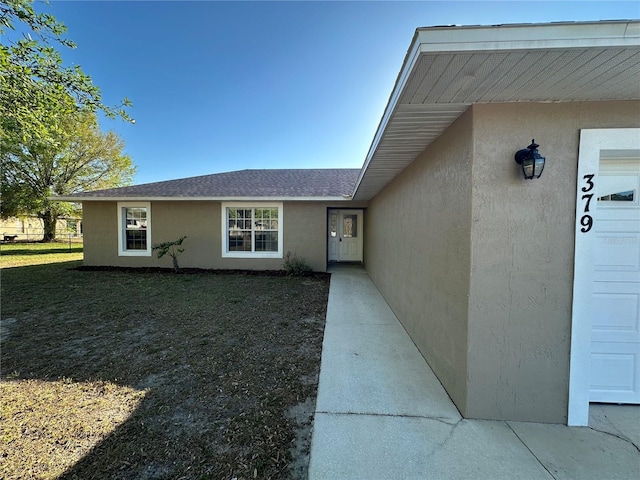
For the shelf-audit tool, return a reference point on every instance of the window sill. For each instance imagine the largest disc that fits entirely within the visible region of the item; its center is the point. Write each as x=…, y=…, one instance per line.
x=134, y=253
x=252, y=255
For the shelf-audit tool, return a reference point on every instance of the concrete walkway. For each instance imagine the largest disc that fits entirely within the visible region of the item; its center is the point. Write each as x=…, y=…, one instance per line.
x=382, y=414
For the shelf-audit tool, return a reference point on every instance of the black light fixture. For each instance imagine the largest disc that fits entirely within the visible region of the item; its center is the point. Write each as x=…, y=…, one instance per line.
x=531, y=161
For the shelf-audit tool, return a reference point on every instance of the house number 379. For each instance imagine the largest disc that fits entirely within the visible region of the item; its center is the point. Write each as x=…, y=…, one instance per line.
x=587, y=220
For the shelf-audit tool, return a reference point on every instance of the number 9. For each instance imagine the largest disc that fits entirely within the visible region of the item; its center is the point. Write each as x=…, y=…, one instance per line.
x=587, y=222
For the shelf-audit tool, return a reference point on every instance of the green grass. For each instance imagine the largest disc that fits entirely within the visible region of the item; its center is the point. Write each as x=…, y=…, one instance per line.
x=111, y=374
x=21, y=254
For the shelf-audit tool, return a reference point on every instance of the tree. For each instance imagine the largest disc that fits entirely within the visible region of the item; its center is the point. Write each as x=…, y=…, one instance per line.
x=169, y=248
x=74, y=156
x=50, y=143
x=35, y=86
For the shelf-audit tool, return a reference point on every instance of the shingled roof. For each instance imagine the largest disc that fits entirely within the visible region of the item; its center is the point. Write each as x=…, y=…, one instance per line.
x=303, y=184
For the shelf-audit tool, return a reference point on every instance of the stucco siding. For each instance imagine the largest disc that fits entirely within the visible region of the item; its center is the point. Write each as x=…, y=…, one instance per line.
x=477, y=263
x=522, y=256
x=99, y=233
x=304, y=235
x=417, y=252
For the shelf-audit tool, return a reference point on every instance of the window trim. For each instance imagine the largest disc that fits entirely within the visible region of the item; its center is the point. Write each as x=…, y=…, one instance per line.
x=122, y=251
x=224, y=206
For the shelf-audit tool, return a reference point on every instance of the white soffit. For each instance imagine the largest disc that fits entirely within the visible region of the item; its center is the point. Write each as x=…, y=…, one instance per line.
x=448, y=69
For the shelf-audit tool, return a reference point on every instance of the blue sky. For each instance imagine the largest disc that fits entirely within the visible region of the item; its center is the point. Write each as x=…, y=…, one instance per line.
x=220, y=86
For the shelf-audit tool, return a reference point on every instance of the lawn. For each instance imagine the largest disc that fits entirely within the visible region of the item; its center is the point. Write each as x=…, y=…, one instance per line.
x=20, y=254
x=145, y=375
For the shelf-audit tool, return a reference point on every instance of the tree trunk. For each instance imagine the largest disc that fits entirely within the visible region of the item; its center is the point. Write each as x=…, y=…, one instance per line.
x=49, y=222
x=176, y=267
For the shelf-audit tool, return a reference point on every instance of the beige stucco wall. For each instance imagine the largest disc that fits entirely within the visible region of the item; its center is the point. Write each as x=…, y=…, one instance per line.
x=304, y=234
x=522, y=256
x=417, y=252
x=483, y=282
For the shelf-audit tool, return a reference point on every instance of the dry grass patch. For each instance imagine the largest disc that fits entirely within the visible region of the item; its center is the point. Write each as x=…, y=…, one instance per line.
x=228, y=365
x=46, y=427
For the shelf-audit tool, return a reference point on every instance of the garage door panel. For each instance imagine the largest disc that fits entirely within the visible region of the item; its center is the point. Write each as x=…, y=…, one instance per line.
x=616, y=317
x=618, y=252
x=611, y=214
x=614, y=374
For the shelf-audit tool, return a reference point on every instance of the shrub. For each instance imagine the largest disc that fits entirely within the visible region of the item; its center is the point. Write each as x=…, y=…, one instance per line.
x=295, y=265
x=170, y=248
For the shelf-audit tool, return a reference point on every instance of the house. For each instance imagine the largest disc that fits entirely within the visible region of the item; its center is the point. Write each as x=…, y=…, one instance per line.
x=247, y=219
x=522, y=295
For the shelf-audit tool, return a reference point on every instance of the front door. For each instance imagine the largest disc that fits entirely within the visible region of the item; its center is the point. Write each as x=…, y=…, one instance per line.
x=615, y=321
x=345, y=230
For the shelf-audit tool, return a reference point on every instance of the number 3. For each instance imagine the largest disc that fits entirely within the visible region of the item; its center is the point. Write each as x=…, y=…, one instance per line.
x=589, y=179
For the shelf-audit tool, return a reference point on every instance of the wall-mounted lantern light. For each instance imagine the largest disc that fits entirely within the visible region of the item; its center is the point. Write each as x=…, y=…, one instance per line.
x=531, y=161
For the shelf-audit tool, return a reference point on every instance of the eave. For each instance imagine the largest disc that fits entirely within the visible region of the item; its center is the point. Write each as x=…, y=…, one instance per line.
x=448, y=69
x=196, y=199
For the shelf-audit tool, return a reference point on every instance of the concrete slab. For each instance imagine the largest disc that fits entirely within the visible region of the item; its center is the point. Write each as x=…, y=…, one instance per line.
x=382, y=414
x=580, y=453
x=390, y=447
x=377, y=369
x=619, y=420
x=360, y=308
x=351, y=280
x=372, y=447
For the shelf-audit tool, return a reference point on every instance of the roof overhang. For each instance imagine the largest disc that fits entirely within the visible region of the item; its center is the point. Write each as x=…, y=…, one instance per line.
x=89, y=198
x=448, y=69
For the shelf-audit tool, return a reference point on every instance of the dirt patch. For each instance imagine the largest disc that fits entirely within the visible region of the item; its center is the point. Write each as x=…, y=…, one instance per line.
x=302, y=416
x=225, y=368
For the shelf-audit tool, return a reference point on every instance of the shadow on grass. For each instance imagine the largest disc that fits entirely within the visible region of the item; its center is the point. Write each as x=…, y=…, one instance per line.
x=223, y=361
x=43, y=251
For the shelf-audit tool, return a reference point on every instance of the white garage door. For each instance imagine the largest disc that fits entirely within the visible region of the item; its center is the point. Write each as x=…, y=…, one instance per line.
x=615, y=321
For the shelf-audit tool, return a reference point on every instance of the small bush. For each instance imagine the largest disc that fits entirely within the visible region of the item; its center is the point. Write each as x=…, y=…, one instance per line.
x=170, y=249
x=295, y=265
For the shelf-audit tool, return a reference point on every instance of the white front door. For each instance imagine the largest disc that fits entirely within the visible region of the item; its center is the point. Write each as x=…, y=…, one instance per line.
x=345, y=230
x=615, y=333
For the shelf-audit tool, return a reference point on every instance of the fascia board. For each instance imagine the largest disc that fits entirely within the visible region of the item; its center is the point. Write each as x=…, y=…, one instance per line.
x=410, y=60
x=529, y=37
x=196, y=199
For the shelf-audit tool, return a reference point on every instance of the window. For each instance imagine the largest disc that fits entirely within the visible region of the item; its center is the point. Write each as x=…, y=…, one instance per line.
x=134, y=229
x=252, y=230
x=350, y=226
x=618, y=181
x=619, y=197
x=333, y=225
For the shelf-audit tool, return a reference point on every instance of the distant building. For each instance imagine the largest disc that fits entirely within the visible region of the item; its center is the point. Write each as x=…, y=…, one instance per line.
x=32, y=228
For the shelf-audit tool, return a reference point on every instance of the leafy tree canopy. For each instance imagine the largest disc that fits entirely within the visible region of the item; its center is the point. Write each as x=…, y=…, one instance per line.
x=74, y=157
x=35, y=86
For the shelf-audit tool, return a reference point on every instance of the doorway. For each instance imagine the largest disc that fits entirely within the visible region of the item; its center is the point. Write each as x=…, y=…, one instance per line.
x=345, y=235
